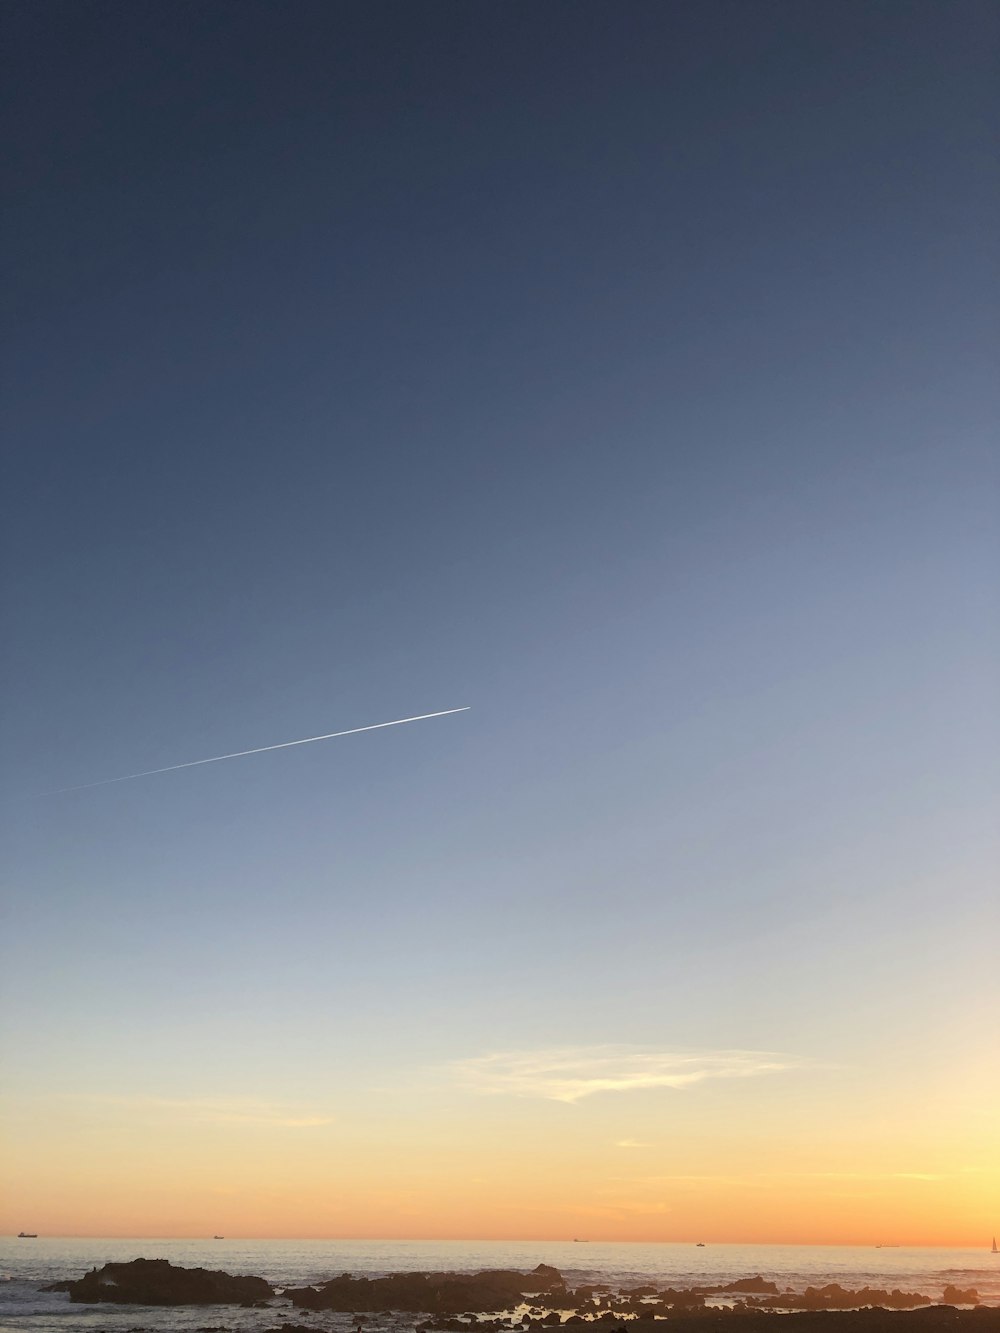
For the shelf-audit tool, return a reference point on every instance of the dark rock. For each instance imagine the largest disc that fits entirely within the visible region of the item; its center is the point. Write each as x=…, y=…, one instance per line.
x=760, y=1318
x=549, y=1276
x=682, y=1297
x=559, y=1298
x=427, y=1293
x=930, y=1319
x=304, y=1295
x=755, y=1284
x=956, y=1296
x=835, y=1297
x=158, y=1282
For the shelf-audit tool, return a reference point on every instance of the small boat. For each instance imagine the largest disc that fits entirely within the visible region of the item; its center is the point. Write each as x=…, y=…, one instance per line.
x=700, y=1245
x=994, y=1249
x=218, y=1238
x=27, y=1235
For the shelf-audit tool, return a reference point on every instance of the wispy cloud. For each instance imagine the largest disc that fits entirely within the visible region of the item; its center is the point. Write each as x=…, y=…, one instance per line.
x=875, y=1175
x=658, y=1182
x=211, y=1111
x=632, y=1143
x=568, y=1074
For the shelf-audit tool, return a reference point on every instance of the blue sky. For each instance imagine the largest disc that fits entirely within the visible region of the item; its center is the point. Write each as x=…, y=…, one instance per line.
x=623, y=373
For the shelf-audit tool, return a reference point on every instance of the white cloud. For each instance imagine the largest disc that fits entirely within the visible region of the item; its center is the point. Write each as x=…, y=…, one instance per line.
x=632, y=1143
x=568, y=1074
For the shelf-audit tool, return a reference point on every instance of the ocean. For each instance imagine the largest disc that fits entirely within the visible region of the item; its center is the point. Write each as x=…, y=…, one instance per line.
x=27, y=1265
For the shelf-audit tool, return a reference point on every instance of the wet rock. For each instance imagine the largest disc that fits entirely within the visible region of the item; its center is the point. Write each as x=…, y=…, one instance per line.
x=929, y=1319
x=835, y=1297
x=758, y=1285
x=681, y=1297
x=158, y=1282
x=547, y=1275
x=427, y=1293
x=560, y=1298
x=956, y=1296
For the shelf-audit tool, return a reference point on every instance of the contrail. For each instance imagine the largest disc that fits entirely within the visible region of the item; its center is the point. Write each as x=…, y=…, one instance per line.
x=261, y=749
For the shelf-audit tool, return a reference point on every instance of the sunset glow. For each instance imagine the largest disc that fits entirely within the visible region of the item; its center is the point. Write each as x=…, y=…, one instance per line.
x=766, y=1156
x=608, y=390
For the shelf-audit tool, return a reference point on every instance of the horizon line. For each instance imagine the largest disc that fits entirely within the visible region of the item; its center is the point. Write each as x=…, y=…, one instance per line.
x=499, y=1240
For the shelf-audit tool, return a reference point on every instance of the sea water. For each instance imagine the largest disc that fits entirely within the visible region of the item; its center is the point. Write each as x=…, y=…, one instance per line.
x=27, y=1265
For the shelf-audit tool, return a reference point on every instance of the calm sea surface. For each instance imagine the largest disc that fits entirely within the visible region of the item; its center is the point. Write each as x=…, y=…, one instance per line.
x=25, y=1265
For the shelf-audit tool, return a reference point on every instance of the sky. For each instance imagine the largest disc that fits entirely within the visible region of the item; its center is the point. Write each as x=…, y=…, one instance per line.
x=623, y=374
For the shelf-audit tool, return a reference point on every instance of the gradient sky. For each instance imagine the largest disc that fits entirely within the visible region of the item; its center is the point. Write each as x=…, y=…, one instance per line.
x=623, y=372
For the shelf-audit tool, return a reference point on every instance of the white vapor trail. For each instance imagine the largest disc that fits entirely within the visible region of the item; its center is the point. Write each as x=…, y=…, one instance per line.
x=261, y=749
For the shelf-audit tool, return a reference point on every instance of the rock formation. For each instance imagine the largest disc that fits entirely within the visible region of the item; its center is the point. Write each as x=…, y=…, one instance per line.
x=429, y=1293
x=158, y=1282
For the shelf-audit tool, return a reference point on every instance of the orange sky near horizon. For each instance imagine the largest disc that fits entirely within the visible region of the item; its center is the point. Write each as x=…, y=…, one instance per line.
x=781, y=1158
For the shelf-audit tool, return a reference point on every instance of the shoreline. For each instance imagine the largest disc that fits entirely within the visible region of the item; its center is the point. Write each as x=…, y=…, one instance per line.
x=498, y=1300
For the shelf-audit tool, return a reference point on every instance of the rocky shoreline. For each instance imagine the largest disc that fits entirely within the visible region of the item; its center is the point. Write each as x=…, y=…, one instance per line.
x=502, y=1301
